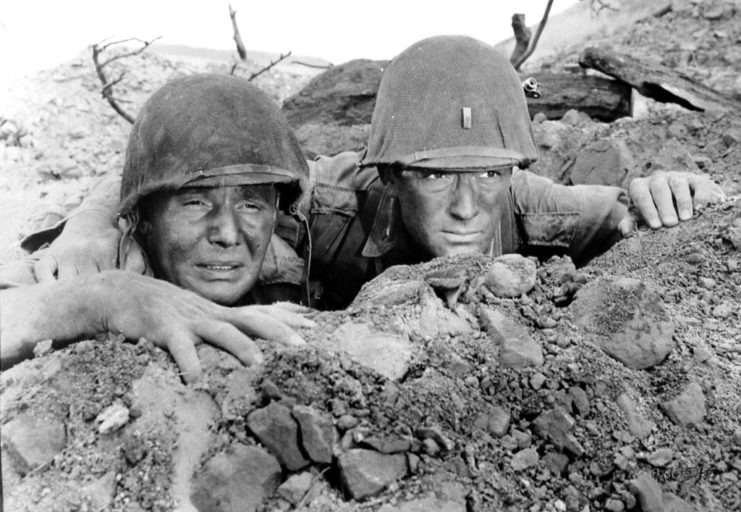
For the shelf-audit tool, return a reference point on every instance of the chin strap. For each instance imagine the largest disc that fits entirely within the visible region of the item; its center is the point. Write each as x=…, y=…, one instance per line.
x=294, y=210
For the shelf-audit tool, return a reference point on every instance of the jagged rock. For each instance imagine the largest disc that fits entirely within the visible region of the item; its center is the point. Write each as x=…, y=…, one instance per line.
x=112, y=418
x=661, y=457
x=556, y=426
x=386, y=353
x=343, y=95
x=495, y=421
x=603, y=162
x=516, y=348
x=525, y=459
x=648, y=493
x=626, y=319
x=510, y=275
x=296, y=486
x=580, y=400
x=278, y=432
x=365, y=473
x=688, y=408
x=637, y=424
x=388, y=444
x=435, y=319
x=673, y=503
x=238, y=478
x=31, y=442
x=556, y=462
x=318, y=435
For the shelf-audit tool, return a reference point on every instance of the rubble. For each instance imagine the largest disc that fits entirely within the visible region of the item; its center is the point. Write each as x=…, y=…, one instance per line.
x=688, y=408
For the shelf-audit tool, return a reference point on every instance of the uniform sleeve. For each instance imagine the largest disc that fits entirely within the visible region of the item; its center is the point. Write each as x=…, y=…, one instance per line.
x=103, y=200
x=580, y=220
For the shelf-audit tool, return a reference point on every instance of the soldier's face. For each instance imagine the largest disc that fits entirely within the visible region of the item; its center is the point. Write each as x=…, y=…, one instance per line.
x=211, y=240
x=448, y=213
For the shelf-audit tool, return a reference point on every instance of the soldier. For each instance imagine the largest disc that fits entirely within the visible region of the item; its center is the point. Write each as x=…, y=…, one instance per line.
x=209, y=164
x=444, y=174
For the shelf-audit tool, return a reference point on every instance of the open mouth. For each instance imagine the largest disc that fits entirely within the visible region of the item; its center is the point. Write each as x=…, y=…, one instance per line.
x=221, y=269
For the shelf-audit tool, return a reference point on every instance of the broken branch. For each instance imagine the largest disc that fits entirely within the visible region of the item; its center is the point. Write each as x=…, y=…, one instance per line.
x=107, y=91
x=282, y=57
x=534, y=41
x=522, y=37
x=241, y=50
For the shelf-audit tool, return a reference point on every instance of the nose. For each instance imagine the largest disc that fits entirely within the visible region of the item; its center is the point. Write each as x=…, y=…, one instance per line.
x=224, y=228
x=464, y=203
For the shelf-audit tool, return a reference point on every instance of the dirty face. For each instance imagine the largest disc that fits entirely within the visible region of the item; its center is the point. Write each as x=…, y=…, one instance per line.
x=448, y=213
x=210, y=240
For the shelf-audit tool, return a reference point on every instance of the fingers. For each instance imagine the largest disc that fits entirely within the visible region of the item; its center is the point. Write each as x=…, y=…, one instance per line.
x=229, y=338
x=640, y=194
x=293, y=315
x=663, y=199
x=680, y=188
x=181, y=344
x=627, y=225
x=45, y=269
x=704, y=191
x=251, y=321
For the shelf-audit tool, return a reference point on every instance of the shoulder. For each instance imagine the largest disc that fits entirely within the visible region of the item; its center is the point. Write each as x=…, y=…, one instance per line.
x=342, y=170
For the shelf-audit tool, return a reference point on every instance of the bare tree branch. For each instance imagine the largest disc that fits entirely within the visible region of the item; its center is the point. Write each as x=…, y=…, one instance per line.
x=522, y=37
x=309, y=65
x=282, y=57
x=241, y=50
x=107, y=91
x=534, y=41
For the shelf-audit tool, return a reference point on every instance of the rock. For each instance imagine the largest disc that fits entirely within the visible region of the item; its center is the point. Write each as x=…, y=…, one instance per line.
x=556, y=462
x=296, y=487
x=430, y=447
x=673, y=503
x=318, y=435
x=614, y=505
x=278, y=432
x=648, y=493
x=637, y=424
x=603, y=162
x=627, y=320
x=661, y=457
x=537, y=380
x=32, y=442
x=343, y=95
x=388, y=444
x=497, y=423
x=365, y=473
x=556, y=426
x=385, y=353
x=688, y=408
x=580, y=400
x=435, y=319
x=510, y=275
x=525, y=459
x=436, y=434
x=516, y=348
x=346, y=422
x=238, y=478
x=112, y=418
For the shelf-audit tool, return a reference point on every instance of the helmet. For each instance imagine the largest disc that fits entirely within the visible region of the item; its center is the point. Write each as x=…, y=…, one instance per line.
x=450, y=102
x=207, y=130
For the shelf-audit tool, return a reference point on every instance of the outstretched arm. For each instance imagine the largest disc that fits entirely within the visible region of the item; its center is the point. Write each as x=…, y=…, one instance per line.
x=137, y=307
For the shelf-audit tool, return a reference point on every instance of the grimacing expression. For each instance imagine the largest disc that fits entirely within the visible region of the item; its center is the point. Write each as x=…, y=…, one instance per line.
x=210, y=240
x=450, y=212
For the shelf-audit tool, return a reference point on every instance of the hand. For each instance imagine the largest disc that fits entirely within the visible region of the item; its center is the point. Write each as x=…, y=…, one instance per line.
x=665, y=198
x=177, y=319
x=88, y=244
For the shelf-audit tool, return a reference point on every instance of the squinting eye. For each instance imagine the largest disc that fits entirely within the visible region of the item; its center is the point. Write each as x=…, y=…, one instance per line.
x=251, y=206
x=437, y=176
x=195, y=203
x=489, y=175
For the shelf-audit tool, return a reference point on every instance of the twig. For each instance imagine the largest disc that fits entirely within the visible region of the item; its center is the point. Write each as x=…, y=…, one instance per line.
x=534, y=41
x=266, y=68
x=107, y=91
x=237, y=37
x=308, y=65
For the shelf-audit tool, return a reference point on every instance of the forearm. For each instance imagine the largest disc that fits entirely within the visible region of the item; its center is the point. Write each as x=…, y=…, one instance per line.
x=103, y=200
x=64, y=310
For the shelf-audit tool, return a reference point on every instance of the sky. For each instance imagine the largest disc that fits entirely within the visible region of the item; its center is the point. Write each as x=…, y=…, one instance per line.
x=40, y=34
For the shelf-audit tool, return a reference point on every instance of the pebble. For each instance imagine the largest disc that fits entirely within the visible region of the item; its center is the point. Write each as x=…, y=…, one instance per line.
x=661, y=457
x=296, y=487
x=648, y=493
x=688, y=408
x=436, y=434
x=516, y=348
x=556, y=426
x=346, y=422
x=498, y=421
x=276, y=429
x=706, y=282
x=556, y=462
x=511, y=275
x=723, y=310
x=537, y=380
x=365, y=473
x=580, y=400
x=112, y=418
x=525, y=459
x=637, y=424
x=614, y=505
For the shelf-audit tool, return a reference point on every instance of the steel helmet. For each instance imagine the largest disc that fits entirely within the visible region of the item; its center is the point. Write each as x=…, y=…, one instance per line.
x=450, y=102
x=208, y=130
